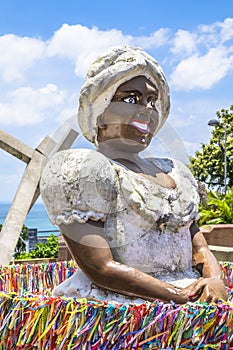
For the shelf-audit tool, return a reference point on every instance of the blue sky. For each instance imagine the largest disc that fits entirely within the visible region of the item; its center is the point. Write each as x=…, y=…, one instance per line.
x=47, y=46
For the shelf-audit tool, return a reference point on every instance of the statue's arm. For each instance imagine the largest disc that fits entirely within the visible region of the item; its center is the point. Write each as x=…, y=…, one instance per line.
x=205, y=262
x=93, y=255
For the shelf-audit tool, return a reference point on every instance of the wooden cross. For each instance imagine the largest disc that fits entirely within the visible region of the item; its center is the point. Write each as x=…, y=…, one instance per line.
x=28, y=190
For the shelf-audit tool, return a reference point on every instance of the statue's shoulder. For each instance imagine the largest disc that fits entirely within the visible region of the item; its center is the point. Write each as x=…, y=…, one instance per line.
x=74, y=161
x=78, y=185
x=78, y=154
x=78, y=169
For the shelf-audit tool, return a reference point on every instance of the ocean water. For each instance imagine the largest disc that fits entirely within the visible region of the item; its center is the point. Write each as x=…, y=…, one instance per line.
x=36, y=218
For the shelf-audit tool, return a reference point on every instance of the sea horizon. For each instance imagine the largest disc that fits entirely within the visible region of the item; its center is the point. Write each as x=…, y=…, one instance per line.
x=36, y=218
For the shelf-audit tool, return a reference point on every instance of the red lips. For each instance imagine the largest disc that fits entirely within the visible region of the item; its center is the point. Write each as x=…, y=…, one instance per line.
x=140, y=125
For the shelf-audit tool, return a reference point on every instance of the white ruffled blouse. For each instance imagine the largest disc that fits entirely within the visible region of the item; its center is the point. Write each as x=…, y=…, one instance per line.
x=146, y=225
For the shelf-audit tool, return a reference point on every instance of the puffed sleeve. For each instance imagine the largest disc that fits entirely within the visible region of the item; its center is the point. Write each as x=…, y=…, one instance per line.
x=78, y=185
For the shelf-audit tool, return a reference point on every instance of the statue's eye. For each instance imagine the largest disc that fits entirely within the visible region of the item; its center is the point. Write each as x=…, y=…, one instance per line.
x=151, y=103
x=130, y=99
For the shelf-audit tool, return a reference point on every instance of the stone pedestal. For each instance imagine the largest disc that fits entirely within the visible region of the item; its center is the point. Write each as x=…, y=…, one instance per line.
x=63, y=251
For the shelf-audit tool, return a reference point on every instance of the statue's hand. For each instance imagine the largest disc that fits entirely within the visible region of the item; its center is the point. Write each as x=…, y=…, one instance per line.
x=214, y=290
x=206, y=289
x=193, y=291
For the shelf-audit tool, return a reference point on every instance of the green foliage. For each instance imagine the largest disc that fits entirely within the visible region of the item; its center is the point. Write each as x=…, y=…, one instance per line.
x=43, y=250
x=208, y=164
x=218, y=210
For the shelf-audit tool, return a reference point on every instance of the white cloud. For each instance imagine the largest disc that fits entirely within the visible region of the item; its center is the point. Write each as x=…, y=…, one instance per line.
x=27, y=106
x=203, y=71
x=204, y=56
x=71, y=40
x=218, y=32
x=77, y=43
x=227, y=29
x=83, y=45
x=17, y=55
x=156, y=39
x=199, y=52
x=184, y=43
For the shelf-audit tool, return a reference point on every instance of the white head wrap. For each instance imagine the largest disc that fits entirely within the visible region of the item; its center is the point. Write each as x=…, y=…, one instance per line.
x=107, y=73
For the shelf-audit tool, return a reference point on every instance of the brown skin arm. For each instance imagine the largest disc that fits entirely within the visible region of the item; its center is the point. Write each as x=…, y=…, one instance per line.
x=205, y=262
x=92, y=253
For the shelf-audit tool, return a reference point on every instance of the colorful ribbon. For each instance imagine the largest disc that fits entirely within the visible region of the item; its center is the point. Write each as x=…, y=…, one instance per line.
x=36, y=320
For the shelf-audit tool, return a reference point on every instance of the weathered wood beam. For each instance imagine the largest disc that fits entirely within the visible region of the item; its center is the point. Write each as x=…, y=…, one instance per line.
x=15, y=147
x=28, y=190
x=20, y=206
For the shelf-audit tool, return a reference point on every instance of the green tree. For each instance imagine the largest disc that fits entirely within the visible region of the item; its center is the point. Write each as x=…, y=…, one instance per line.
x=46, y=250
x=49, y=249
x=208, y=164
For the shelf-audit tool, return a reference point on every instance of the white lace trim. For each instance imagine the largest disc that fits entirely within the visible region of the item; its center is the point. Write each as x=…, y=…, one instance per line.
x=70, y=216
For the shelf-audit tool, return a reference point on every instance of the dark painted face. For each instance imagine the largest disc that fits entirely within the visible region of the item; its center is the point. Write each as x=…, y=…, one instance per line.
x=131, y=119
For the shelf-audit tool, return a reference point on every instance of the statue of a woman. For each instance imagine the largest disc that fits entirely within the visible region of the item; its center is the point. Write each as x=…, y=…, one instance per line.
x=129, y=221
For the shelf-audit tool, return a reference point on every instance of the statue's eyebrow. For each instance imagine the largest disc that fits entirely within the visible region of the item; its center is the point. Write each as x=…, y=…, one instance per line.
x=137, y=92
x=133, y=91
